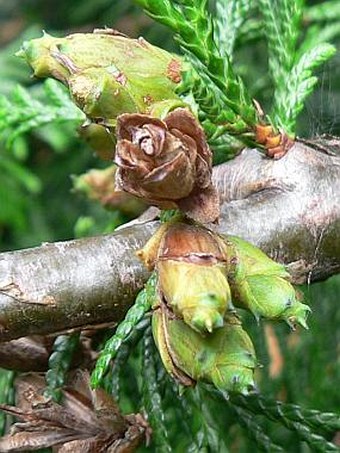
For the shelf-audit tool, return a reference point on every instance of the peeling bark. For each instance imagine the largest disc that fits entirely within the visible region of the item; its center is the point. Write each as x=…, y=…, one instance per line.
x=289, y=207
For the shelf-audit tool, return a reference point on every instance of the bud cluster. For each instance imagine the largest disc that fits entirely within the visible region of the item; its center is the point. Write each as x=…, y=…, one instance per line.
x=126, y=88
x=202, y=277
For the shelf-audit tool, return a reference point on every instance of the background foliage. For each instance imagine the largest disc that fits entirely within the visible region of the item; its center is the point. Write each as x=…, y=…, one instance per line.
x=37, y=203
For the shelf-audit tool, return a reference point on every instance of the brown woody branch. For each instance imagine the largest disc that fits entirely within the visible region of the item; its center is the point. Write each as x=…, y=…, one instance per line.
x=288, y=207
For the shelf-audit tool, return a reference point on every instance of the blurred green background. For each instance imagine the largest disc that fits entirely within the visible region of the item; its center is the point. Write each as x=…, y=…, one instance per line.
x=37, y=203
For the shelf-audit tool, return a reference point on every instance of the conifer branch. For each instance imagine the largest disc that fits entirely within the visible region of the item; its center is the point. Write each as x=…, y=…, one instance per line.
x=59, y=363
x=6, y=395
x=255, y=193
x=301, y=84
x=112, y=382
x=188, y=415
x=229, y=19
x=317, y=34
x=254, y=431
x=135, y=314
x=152, y=399
x=291, y=67
x=194, y=30
x=322, y=12
x=294, y=417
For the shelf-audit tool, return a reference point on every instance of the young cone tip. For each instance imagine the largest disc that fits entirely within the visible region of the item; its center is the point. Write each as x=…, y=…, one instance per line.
x=205, y=320
x=234, y=380
x=225, y=358
x=269, y=296
x=192, y=277
x=297, y=315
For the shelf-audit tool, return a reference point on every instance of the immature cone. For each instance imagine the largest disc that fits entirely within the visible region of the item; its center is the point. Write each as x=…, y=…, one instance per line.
x=225, y=358
x=261, y=285
x=191, y=272
x=167, y=163
x=107, y=74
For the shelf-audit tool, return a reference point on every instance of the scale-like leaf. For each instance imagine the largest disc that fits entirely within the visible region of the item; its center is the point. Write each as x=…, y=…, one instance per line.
x=22, y=112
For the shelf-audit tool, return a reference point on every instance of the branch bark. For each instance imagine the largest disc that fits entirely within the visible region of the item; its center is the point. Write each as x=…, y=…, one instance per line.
x=290, y=208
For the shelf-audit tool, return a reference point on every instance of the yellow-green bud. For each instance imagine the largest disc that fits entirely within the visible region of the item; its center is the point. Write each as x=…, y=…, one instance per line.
x=192, y=274
x=225, y=358
x=250, y=260
x=261, y=285
x=108, y=73
x=198, y=293
x=99, y=138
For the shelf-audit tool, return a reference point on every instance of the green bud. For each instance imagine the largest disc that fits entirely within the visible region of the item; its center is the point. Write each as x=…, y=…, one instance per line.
x=192, y=273
x=225, y=358
x=261, y=285
x=250, y=260
x=99, y=138
x=159, y=331
x=199, y=294
x=108, y=73
x=272, y=298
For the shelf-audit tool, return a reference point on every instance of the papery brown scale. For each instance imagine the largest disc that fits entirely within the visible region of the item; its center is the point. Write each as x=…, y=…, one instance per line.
x=130, y=156
x=165, y=178
x=152, y=135
x=191, y=243
x=86, y=421
x=168, y=163
x=126, y=123
x=202, y=205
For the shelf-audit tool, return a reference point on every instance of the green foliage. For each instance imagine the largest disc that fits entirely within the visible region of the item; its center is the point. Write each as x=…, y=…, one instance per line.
x=23, y=113
x=203, y=419
x=218, y=91
x=135, y=314
x=59, y=364
x=194, y=420
x=231, y=16
x=17, y=183
x=152, y=400
x=255, y=431
x=301, y=84
x=217, y=120
x=324, y=20
x=114, y=377
x=325, y=11
x=19, y=114
x=6, y=395
x=291, y=70
x=303, y=422
x=278, y=411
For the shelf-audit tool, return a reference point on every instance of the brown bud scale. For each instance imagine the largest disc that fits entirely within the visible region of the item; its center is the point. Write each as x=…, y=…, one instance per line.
x=191, y=243
x=167, y=163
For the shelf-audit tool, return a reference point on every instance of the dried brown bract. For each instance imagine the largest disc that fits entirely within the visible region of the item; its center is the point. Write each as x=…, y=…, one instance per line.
x=167, y=163
x=87, y=421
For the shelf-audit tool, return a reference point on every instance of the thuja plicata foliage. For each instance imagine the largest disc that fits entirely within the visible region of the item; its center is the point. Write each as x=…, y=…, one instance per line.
x=183, y=355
